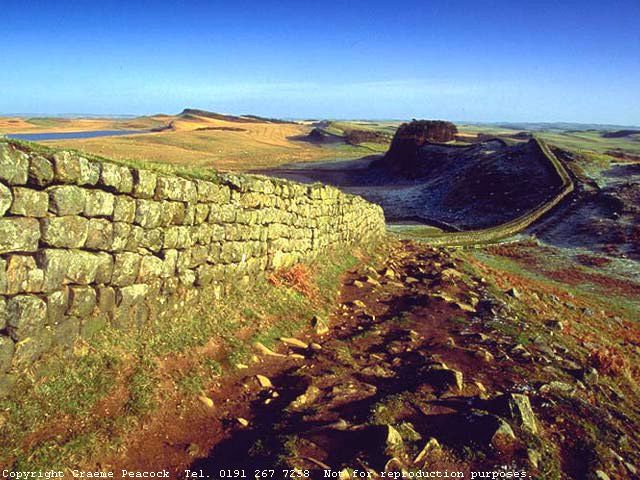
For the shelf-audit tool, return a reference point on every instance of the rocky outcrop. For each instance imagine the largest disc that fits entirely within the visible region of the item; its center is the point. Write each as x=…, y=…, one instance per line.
x=85, y=243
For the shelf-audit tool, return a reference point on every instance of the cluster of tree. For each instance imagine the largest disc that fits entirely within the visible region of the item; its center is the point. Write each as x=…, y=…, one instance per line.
x=410, y=137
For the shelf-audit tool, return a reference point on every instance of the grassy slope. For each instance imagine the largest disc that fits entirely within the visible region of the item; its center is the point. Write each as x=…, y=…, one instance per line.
x=196, y=141
x=78, y=409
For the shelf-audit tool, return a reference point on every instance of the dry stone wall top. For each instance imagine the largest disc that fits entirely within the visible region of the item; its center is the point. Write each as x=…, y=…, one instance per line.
x=85, y=243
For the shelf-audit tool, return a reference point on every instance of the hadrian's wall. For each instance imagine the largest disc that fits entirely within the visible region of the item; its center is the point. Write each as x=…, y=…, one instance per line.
x=85, y=243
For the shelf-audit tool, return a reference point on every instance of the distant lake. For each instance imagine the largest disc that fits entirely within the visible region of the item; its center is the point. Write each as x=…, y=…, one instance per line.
x=39, y=137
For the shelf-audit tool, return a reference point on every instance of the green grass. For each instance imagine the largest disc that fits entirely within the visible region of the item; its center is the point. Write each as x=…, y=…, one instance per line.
x=58, y=408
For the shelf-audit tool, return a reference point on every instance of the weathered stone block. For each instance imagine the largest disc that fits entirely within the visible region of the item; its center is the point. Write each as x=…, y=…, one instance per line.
x=40, y=171
x=82, y=301
x=29, y=203
x=151, y=268
x=211, y=192
x=144, y=183
x=170, y=261
x=26, y=316
x=19, y=235
x=136, y=237
x=65, y=232
x=124, y=209
x=202, y=213
x=176, y=188
x=31, y=349
x=66, y=332
x=233, y=252
x=148, y=213
x=116, y=177
x=152, y=239
x=106, y=297
x=67, y=200
x=177, y=237
x=3, y=277
x=207, y=274
x=84, y=267
x=99, y=203
x=57, y=305
x=3, y=313
x=7, y=347
x=222, y=214
x=72, y=168
x=54, y=264
x=125, y=269
x=14, y=165
x=23, y=276
x=100, y=234
x=104, y=272
x=121, y=234
x=6, y=198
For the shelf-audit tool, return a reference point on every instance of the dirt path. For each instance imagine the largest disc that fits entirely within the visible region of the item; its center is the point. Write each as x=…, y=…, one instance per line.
x=406, y=356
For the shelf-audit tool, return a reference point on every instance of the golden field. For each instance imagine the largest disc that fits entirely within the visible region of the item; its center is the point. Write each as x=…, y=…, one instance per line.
x=235, y=143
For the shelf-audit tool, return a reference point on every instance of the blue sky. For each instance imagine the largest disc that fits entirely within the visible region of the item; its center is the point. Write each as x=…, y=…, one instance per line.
x=477, y=60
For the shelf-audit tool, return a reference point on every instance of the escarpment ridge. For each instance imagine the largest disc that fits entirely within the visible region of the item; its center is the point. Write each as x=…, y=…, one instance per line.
x=85, y=243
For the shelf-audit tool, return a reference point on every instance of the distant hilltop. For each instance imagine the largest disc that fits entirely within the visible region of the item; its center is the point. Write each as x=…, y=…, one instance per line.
x=195, y=112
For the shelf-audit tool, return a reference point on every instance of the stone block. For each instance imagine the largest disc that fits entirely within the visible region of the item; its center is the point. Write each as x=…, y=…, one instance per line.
x=57, y=306
x=29, y=203
x=99, y=203
x=65, y=232
x=26, y=316
x=66, y=332
x=126, y=269
x=14, y=165
x=151, y=268
x=144, y=183
x=7, y=347
x=85, y=267
x=23, y=276
x=170, y=262
x=106, y=298
x=121, y=234
x=71, y=168
x=177, y=237
x=6, y=199
x=176, y=188
x=124, y=209
x=136, y=237
x=31, y=349
x=82, y=301
x=202, y=213
x=116, y=177
x=100, y=234
x=104, y=272
x=40, y=171
x=19, y=235
x=152, y=239
x=54, y=264
x=3, y=277
x=3, y=313
x=67, y=200
x=148, y=213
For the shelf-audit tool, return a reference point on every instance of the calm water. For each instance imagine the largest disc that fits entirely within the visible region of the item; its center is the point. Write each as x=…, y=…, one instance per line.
x=39, y=137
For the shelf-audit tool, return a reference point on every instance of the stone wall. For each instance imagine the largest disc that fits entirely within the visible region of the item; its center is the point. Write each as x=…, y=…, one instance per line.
x=86, y=243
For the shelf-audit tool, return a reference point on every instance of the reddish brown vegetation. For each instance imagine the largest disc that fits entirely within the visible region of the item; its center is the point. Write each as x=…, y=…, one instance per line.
x=593, y=261
x=297, y=277
x=608, y=361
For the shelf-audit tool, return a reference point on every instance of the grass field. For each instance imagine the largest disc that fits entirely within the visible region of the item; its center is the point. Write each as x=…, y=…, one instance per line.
x=197, y=141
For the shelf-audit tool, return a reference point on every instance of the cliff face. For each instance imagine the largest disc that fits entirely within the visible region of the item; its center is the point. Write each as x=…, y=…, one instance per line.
x=410, y=137
x=85, y=243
